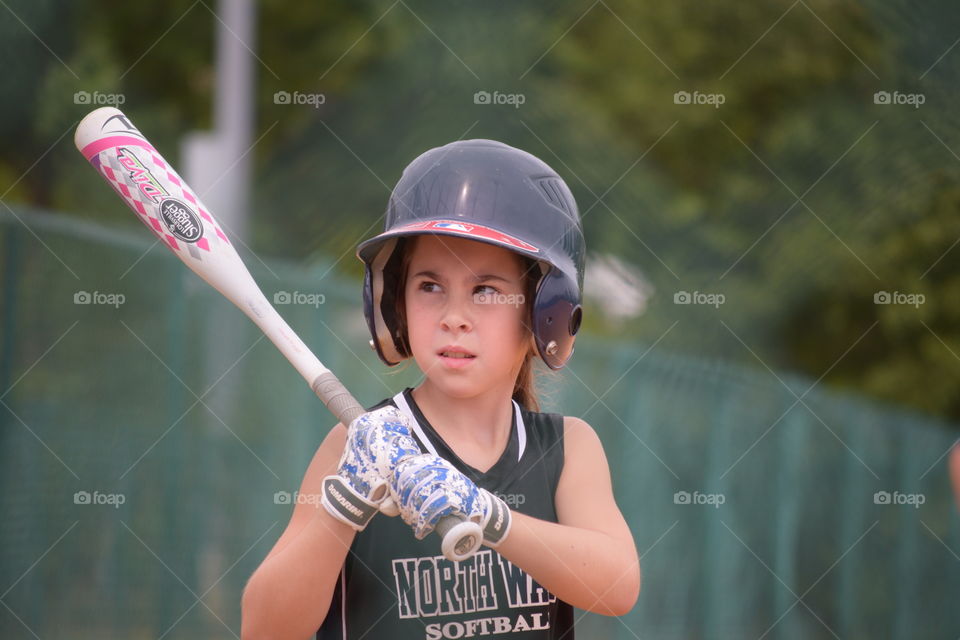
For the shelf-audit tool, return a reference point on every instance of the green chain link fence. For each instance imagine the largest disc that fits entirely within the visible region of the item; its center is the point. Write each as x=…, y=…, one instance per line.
x=151, y=439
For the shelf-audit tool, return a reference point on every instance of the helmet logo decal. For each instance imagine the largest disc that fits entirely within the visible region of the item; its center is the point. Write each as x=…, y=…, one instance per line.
x=472, y=230
x=453, y=225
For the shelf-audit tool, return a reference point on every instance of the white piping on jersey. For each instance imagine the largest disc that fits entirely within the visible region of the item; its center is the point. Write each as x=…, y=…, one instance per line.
x=521, y=431
x=343, y=600
x=404, y=408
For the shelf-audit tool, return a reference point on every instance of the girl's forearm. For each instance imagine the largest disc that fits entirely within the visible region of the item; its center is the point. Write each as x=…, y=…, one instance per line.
x=289, y=594
x=587, y=569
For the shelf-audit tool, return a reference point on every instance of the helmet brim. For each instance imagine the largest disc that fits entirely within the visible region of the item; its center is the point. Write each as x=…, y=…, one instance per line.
x=367, y=250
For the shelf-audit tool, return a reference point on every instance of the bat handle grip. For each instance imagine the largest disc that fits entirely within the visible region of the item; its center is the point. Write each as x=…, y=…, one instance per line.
x=461, y=537
x=341, y=402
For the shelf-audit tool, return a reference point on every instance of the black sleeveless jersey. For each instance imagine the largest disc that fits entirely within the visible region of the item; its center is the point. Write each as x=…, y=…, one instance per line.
x=395, y=587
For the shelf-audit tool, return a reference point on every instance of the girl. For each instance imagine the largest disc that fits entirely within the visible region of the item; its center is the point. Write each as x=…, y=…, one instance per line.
x=478, y=272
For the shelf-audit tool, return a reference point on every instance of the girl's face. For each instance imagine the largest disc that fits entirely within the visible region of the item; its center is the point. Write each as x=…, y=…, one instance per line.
x=470, y=295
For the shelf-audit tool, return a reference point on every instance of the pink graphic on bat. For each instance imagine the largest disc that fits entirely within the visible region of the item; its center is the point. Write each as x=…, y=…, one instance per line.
x=120, y=159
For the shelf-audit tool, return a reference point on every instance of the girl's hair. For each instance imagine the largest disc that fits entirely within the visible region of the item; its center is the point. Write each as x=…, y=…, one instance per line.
x=525, y=387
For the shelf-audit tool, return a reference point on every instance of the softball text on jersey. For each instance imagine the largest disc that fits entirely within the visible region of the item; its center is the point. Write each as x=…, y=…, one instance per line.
x=429, y=587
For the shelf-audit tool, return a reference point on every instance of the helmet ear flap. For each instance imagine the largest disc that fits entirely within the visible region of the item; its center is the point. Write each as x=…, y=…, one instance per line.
x=380, y=291
x=556, y=318
x=394, y=281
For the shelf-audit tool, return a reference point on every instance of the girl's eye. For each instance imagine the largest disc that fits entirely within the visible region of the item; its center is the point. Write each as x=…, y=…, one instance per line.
x=485, y=294
x=425, y=286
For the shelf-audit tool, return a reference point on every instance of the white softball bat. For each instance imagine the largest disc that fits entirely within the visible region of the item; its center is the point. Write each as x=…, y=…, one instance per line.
x=173, y=212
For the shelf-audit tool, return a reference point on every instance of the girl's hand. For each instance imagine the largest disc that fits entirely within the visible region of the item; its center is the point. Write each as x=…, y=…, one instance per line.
x=426, y=488
x=376, y=442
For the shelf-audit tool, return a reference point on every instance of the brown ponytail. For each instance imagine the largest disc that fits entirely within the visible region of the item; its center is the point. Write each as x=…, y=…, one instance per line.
x=525, y=388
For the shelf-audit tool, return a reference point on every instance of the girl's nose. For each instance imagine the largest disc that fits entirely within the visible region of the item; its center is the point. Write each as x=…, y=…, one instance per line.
x=455, y=314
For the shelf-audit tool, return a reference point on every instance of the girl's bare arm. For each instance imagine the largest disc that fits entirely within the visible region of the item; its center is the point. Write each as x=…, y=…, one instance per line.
x=589, y=558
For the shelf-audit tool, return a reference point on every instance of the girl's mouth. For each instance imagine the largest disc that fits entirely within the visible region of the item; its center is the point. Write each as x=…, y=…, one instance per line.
x=456, y=359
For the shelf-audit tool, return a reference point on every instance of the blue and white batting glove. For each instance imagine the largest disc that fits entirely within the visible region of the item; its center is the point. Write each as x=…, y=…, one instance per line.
x=427, y=488
x=376, y=442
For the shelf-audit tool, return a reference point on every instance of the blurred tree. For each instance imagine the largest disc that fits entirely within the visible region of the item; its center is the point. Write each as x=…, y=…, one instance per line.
x=798, y=197
x=792, y=193
x=912, y=356
x=156, y=59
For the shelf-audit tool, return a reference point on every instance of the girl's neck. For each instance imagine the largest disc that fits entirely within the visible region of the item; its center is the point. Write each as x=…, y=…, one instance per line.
x=483, y=419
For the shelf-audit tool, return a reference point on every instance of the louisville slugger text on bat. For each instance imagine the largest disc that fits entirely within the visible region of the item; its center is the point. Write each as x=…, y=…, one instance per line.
x=176, y=216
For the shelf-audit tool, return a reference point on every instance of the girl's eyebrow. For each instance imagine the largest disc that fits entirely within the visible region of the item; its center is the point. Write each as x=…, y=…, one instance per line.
x=480, y=278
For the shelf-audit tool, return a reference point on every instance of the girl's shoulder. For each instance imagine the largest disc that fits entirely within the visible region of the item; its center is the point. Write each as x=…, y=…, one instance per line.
x=564, y=438
x=577, y=427
x=565, y=426
x=556, y=426
x=581, y=439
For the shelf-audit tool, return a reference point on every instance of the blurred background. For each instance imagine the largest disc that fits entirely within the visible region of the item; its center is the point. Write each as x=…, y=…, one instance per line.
x=770, y=198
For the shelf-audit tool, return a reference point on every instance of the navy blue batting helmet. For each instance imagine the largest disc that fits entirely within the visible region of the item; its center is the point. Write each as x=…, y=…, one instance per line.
x=489, y=192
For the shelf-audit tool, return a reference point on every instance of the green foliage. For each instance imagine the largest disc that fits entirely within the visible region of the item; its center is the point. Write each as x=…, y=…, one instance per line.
x=797, y=198
x=912, y=355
